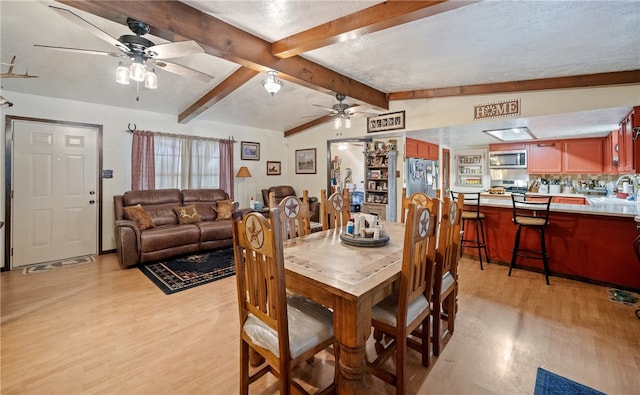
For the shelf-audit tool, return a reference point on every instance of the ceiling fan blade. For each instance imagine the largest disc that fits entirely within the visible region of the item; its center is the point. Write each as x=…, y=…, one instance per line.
x=78, y=20
x=182, y=70
x=80, y=50
x=174, y=50
x=324, y=108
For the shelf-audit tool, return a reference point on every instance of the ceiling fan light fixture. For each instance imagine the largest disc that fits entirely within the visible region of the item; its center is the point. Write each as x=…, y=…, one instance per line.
x=271, y=83
x=122, y=74
x=347, y=123
x=337, y=122
x=137, y=70
x=151, y=79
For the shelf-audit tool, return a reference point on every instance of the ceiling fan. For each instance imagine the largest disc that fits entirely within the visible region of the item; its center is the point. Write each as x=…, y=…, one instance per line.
x=343, y=112
x=142, y=52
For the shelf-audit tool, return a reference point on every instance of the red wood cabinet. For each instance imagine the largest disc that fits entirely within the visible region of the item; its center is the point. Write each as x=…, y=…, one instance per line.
x=411, y=148
x=569, y=200
x=607, y=155
x=628, y=148
x=420, y=149
x=545, y=157
x=582, y=156
x=508, y=147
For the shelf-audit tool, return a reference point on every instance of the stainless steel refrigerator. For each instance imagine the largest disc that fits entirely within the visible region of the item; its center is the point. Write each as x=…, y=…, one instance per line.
x=422, y=176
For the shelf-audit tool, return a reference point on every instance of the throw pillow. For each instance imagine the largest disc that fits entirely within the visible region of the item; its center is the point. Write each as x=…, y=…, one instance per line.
x=224, y=208
x=138, y=215
x=187, y=214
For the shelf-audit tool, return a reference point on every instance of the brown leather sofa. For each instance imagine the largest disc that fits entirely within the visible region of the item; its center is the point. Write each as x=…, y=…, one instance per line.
x=169, y=238
x=282, y=191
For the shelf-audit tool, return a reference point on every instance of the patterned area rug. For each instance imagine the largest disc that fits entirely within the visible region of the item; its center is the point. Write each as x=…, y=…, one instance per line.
x=186, y=272
x=548, y=383
x=53, y=265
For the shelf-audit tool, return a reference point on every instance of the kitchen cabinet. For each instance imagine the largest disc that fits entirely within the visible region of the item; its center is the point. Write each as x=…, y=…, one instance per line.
x=575, y=156
x=508, y=147
x=421, y=149
x=470, y=168
x=628, y=148
x=545, y=158
x=569, y=200
x=607, y=155
x=582, y=156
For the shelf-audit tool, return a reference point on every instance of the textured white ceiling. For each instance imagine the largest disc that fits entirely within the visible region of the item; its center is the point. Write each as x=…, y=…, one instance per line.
x=490, y=41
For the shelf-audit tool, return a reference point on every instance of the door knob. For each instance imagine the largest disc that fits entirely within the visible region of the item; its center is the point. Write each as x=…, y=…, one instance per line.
x=92, y=201
x=92, y=192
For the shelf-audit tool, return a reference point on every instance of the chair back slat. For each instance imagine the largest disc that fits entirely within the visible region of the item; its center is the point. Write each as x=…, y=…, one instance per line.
x=295, y=216
x=335, y=210
x=418, y=256
x=419, y=198
x=448, y=253
x=259, y=263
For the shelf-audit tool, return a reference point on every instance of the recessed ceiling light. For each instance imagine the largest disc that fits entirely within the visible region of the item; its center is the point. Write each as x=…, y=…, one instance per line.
x=511, y=134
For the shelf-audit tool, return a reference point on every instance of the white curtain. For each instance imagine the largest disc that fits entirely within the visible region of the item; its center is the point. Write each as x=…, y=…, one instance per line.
x=186, y=162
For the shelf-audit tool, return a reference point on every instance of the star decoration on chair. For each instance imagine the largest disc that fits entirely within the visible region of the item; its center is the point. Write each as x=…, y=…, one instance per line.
x=423, y=224
x=291, y=208
x=453, y=214
x=419, y=200
x=337, y=202
x=254, y=232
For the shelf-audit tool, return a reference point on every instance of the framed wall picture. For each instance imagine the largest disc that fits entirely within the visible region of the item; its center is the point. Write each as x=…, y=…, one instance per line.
x=249, y=150
x=273, y=168
x=306, y=161
x=381, y=123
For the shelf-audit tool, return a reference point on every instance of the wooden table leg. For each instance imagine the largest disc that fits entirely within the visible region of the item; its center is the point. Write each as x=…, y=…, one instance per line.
x=352, y=323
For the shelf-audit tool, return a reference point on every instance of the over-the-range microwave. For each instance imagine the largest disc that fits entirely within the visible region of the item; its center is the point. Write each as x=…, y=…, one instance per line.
x=508, y=159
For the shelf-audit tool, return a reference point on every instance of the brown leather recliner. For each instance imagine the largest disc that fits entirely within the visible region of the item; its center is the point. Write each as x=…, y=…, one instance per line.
x=282, y=191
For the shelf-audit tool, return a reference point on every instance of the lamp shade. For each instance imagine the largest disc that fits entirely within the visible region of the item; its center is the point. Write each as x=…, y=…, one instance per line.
x=243, y=172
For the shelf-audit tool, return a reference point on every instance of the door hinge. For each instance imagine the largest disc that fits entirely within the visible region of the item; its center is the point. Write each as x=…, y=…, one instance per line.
x=11, y=251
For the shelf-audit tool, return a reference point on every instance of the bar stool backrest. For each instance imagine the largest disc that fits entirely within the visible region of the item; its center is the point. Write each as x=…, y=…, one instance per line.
x=529, y=211
x=471, y=201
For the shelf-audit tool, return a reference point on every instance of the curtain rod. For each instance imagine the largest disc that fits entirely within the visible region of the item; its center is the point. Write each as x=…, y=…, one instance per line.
x=183, y=136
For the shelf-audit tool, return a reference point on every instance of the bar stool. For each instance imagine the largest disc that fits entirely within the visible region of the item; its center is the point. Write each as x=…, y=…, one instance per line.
x=471, y=212
x=531, y=214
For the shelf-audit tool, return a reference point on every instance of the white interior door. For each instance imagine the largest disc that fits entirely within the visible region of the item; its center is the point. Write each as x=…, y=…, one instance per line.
x=54, y=192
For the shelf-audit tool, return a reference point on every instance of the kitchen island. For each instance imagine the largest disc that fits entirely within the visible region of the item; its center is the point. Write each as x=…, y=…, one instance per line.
x=592, y=243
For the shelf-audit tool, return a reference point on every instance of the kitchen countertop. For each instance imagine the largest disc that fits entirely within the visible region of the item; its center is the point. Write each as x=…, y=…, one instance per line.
x=597, y=205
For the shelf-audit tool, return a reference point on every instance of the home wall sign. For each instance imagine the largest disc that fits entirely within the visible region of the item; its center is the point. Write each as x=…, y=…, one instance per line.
x=508, y=108
x=390, y=121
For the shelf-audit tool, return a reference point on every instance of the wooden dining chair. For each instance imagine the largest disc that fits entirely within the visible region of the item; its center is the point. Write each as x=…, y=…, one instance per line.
x=421, y=199
x=335, y=210
x=295, y=216
x=445, y=286
x=285, y=330
x=404, y=311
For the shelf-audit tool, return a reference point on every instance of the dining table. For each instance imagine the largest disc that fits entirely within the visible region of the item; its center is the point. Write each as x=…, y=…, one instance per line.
x=350, y=280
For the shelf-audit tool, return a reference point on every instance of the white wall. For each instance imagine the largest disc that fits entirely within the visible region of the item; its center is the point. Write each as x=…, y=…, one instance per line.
x=116, y=145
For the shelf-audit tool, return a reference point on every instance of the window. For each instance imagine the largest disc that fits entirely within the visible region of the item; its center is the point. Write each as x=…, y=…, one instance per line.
x=186, y=162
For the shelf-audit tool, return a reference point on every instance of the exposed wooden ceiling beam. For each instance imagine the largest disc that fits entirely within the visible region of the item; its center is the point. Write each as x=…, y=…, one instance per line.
x=219, y=92
x=308, y=125
x=172, y=20
x=576, y=81
x=378, y=17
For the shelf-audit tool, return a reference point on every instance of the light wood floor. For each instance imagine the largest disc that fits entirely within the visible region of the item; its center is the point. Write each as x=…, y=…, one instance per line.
x=99, y=329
